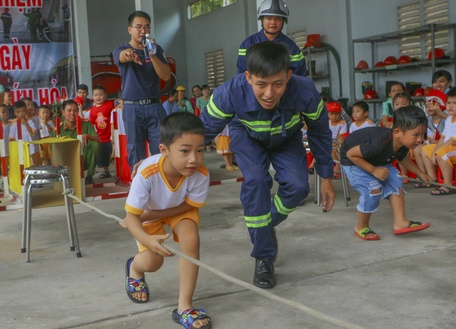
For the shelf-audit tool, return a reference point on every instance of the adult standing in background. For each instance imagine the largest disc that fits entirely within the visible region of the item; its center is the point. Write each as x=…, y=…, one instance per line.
x=7, y=22
x=141, y=74
x=273, y=15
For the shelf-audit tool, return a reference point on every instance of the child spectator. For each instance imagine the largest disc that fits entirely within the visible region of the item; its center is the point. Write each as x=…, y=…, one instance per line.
x=367, y=156
x=402, y=100
x=395, y=87
x=168, y=189
x=435, y=106
x=32, y=115
x=223, y=148
x=47, y=127
x=183, y=104
x=8, y=100
x=360, y=112
x=28, y=129
x=338, y=128
x=202, y=101
x=6, y=124
x=441, y=80
x=444, y=153
x=100, y=117
x=84, y=103
x=170, y=105
x=2, y=94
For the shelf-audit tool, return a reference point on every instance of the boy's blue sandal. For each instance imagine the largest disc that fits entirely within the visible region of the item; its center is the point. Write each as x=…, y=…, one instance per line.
x=189, y=316
x=135, y=285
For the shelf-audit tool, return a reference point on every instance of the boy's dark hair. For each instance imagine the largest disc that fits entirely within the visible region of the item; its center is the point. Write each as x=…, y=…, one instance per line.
x=267, y=58
x=404, y=95
x=441, y=73
x=99, y=87
x=3, y=105
x=363, y=105
x=409, y=117
x=197, y=86
x=205, y=87
x=44, y=107
x=138, y=13
x=172, y=92
x=451, y=92
x=83, y=87
x=7, y=90
x=179, y=123
x=19, y=104
x=68, y=102
x=26, y=99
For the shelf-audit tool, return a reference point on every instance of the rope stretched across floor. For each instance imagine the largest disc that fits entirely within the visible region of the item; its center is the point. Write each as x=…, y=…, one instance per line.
x=251, y=287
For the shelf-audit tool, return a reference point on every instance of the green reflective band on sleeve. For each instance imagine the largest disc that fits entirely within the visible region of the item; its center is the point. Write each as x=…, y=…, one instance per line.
x=213, y=111
x=257, y=221
x=242, y=52
x=281, y=209
x=297, y=58
x=314, y=116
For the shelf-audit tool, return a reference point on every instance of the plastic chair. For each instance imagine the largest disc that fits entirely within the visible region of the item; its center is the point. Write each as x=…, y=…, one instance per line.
x=43, y=175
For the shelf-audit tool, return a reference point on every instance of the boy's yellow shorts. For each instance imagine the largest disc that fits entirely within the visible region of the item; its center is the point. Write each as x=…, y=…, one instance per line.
x=158, y=227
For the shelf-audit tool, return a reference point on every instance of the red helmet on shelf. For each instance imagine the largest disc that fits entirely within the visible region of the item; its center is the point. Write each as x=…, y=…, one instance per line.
x=404, y=59
x=362, y=65
x=390, y=60
x=439, y=53
x=418, y=92
x=370, y=94
x=379, y=64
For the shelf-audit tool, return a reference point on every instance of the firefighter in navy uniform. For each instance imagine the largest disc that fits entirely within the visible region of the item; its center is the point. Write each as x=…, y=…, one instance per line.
x=273, y=15
x=263, y=108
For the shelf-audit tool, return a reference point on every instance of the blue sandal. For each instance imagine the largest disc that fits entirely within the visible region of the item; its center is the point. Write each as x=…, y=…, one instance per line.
x=135, y=285
x=189, y=316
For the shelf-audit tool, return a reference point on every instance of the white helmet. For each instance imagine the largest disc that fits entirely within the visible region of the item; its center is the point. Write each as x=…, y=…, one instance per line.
x=273, y=8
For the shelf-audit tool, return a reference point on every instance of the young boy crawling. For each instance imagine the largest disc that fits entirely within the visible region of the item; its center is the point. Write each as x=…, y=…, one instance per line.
x=366, y=157
x=167, y=190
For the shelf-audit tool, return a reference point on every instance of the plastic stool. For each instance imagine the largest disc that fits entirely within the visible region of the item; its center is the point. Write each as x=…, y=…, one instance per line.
x=42, y=175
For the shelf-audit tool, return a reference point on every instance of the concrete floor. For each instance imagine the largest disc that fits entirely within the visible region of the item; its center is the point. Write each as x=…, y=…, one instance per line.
x=399, y=282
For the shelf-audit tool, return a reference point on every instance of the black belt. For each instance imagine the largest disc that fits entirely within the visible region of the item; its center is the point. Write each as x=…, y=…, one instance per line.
x=146, y=101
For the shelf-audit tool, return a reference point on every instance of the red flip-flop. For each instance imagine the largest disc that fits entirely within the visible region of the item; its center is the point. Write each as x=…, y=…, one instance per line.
x=413, y=227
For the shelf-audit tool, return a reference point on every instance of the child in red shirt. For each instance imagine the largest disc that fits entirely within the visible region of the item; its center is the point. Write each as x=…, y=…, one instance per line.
x=100, y=117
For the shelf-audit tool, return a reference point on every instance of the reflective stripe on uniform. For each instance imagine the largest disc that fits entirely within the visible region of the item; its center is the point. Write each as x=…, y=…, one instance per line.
x=213, y=111
x=262, y=126
x=257, y=221
x=314, y=116
x=281, y=209
x=297, y=57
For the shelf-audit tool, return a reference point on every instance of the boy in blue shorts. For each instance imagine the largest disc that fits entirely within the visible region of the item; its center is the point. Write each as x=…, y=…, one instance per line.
x=167, y=190
x=366, y=157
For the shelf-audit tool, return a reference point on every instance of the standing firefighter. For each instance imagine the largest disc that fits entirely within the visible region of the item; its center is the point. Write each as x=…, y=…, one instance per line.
x=273, y=15
x=7, y=22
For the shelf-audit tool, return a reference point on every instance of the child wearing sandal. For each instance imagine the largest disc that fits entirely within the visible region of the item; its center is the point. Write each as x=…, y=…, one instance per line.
x=366, y=158
x=444, y=153
x=168, y=189
x=338, y=128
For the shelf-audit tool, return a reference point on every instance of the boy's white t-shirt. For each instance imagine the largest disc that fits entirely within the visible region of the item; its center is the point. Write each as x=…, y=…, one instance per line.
x=26, y=137
x=339, y=129
x=366, y=124
x=44, y=132
x=450, y=128
x=6, y=133
x=150, y=190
